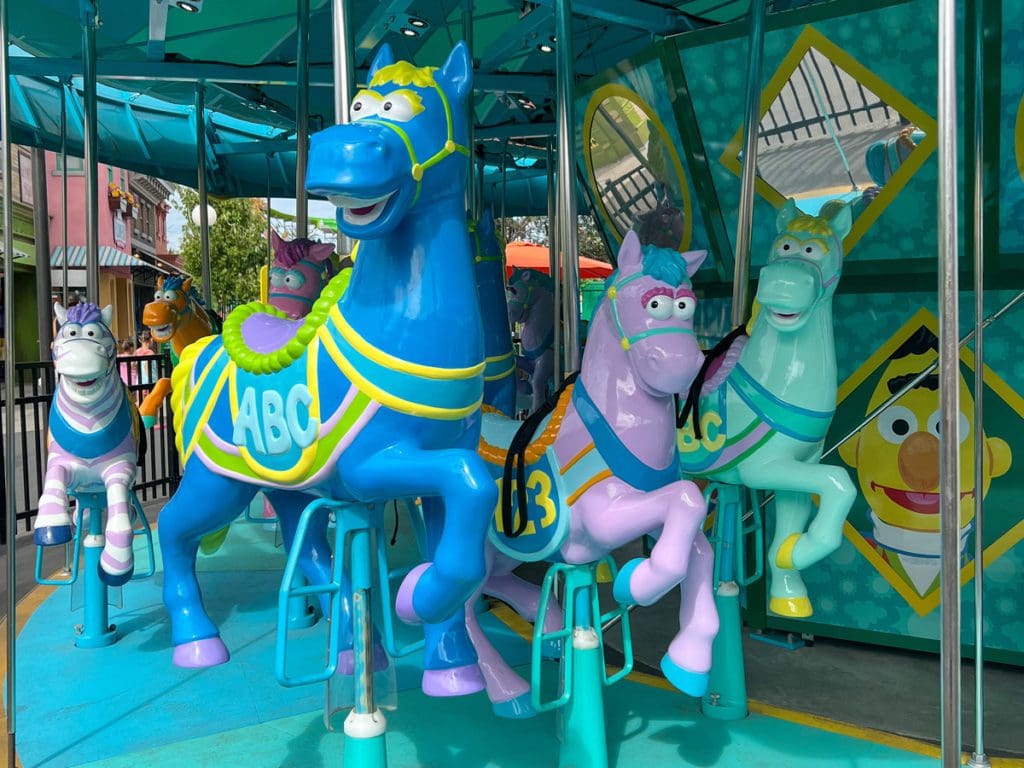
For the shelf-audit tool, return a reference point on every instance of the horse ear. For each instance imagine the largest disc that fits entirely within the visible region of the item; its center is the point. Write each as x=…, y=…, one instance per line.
x=630, y=254
x=187, y=285
x=458, y=70
x=107, y=315
x=693, y=261
x=787, y=213
x=159, y=282
x=839, y=218
x=385, y=57
x=61, y=313
x=275, y=240
x=320, y=251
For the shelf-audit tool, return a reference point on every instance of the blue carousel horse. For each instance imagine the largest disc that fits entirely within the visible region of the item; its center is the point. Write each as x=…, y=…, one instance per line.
x=351, y=403
x=759, y=410
x=499, y=375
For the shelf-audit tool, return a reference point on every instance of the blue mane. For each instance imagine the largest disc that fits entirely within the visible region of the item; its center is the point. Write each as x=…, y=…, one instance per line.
x=175, y=283
x=665, y=265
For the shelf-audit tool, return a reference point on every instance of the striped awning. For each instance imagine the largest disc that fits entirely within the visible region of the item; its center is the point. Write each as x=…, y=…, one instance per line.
x=109, y=257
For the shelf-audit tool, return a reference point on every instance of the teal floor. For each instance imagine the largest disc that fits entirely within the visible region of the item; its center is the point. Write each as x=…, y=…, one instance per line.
x=126, y=705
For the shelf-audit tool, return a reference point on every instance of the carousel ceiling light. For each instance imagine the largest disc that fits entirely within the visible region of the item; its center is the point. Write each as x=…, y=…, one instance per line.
x=545, y=48
x=417, y=22
x=409, y=32
x=189, y=7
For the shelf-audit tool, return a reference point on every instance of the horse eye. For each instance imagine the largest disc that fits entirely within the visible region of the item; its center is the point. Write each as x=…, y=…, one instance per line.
x=808, y=249
x=387, y=106
x=91, y=333
x=785, y=246
x=357, y=106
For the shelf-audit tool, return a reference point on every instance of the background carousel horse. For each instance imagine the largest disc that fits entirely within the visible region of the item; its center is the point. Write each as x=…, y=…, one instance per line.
x=94, y=438
x=176, y=315
x=350, y=403
x=603, y=470
x=499, y=375
x=758, y=412
x=301, y=269
x=531, y=302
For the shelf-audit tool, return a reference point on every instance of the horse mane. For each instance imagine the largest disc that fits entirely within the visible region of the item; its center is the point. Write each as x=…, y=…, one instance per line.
x=292, y=252
x=84, y=312
x=665, y=264
x=812, y=225
x=177, y=283
x=404, y=73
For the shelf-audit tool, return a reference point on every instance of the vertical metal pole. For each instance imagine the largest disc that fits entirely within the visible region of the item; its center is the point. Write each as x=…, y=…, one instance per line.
x=64, y=183
x=567, y=246
x=979, y=759
x=90, y=21
x=741, y=264
x=344, y=80
x=504, y=188
x=204, y=219
x=553, y=257
x=270, y=240
x=480, y=184
x=41, y=225
x=302, y=121
x=10, y=499
x=467, y=36
x=949, y=390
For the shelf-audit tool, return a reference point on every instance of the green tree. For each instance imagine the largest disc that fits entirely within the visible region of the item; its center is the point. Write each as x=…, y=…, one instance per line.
x=238, y=247
x=534, y=229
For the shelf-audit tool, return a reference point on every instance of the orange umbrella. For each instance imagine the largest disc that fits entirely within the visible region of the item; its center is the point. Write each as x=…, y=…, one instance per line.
x=531, y=256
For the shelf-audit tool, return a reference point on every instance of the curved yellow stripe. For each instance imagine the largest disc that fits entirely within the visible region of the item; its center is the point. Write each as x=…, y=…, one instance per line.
x=207, y=410
x=498, y=358
x=395, y=363
x=501, y=375
x=305, y=461
x=386, y=398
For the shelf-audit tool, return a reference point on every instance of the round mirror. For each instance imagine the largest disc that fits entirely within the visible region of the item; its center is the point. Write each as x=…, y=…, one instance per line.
x=635, y=170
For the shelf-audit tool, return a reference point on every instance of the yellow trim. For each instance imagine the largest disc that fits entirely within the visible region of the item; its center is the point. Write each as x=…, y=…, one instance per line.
x=499, y=376
x=569, y=464
x=386, y=398
x=598, y=97
x=1018, y=141
x=588, y=485
x=793, y=607
x=396, y=363
x=208, y=406
x=812, y=38
x=784, y=557
x=497, y=358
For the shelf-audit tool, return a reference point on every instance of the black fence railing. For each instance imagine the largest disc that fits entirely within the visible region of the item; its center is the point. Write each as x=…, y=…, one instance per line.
x=159, y=474
x=629, y=195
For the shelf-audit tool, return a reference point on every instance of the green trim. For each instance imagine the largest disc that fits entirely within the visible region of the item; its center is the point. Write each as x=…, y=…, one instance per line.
x=696, y=158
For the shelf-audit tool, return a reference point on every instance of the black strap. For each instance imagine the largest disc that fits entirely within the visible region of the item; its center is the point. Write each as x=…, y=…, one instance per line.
x=516, y=459
x=394, y=535
x=693, y=396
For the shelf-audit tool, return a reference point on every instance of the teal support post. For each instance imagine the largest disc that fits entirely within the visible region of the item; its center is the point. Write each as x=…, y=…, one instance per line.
x=584, y=672
x=96, y=631
x=726, y=698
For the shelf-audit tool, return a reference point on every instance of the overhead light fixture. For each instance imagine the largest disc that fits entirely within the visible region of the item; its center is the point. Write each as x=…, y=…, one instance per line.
x=409, y=32
x=417, y=22
x=545, y=48
x=190, y=6
x=553, y=39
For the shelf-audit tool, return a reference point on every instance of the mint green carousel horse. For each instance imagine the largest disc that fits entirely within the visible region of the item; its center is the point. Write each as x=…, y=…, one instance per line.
x=758, y=412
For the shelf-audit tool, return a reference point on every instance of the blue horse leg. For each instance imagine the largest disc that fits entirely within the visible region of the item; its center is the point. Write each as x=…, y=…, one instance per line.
x=315, y=556
x=434, y=591
x=203, y=502
x=449, y=659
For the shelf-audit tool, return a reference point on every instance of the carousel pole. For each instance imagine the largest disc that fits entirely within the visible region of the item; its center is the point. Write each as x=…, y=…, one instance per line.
x=566, y=186
x=204, y=219
x=949, y=390
x=270, y=226
x=978, y=758
x=504, y=188
x=41, y=224
x=472, y=204
x=10, y=500
x=90, y=20
x=741, y=265
x=553, y=254
x=302, y=121
x=344, y=79
x=64, y=185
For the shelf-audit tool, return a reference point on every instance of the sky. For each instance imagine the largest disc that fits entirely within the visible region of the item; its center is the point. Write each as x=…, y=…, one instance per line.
x=320, y=209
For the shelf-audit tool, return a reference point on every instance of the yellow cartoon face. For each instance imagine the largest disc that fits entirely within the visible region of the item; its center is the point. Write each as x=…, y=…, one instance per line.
x=897, y=455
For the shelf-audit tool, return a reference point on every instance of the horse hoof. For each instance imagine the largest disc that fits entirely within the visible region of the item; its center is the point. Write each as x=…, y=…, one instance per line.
x=403, y=600
x=52, y=535
x=518, y=708
x=794, y=607
x=690, y=683
x=455, y=681
x=197, y=654
x=620, y=588
x=115, y=579
x=347, y=660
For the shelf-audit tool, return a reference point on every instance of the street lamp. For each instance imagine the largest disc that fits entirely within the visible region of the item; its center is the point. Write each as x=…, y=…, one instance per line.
x=211, y=215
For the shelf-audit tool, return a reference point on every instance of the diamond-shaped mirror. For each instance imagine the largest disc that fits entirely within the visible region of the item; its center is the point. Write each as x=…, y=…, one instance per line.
x=829, y=129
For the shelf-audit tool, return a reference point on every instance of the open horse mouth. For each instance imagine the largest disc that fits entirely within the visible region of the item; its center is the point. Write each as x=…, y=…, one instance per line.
x=786, y=317
x=162, y=331
x=83, y=386
x=360, y=211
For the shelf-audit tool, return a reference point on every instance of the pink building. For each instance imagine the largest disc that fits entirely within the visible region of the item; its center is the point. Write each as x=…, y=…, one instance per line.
x=132, y=230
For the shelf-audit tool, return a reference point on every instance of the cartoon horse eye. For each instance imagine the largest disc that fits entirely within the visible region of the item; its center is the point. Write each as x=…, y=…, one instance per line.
x=512, y=291
x=92, y=330
x=659, y=307
x=277, y=277
x=786, y=246
x=170, y=296
x=365, y=105
x=897, y=424
x=72, y=330
x=158, y=295
x=812, y=250
x=294, y=279
x=684, y=308
x=964, y=426
x=398, y=107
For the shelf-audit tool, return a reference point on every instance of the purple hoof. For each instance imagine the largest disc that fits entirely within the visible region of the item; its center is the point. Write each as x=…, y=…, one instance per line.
x=456, y=681
x=208, y=652
x=403, y=601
